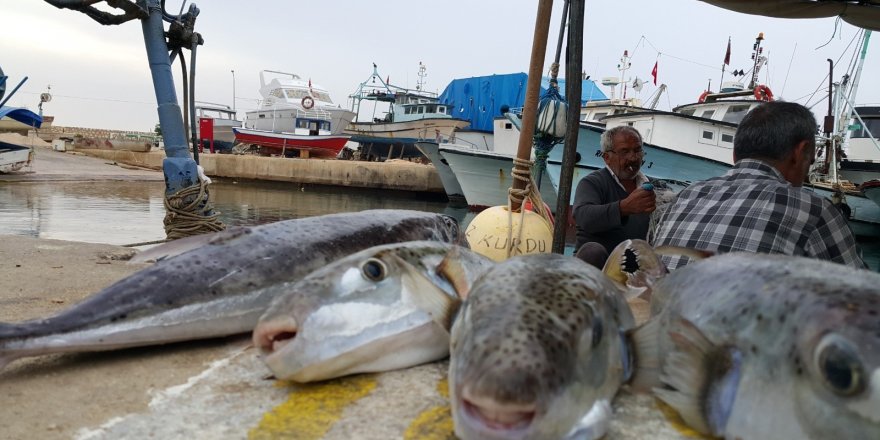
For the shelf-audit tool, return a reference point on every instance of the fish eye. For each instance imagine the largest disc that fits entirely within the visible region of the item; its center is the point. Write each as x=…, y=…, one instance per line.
x=841, y=369
x=374, y=270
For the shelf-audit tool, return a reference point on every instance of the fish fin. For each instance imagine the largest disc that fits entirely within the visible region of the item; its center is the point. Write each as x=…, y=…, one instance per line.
x=694, y=373
x=695, y=254
x=433, y=300
x=645, y=348
x=595, y=423
x=182, y=245
x=635, y=266
x=452, y=270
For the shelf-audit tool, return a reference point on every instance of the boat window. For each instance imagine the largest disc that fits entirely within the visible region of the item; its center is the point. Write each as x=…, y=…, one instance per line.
x=735, y=113
x=322, y=96
x=441, y=109
x=708, y=135
x=407, y=110
x=296, y=94
x=599, y=116
x=431, y=109
x=508, y=126
x=726, y=137
x=687, y=112
x=872, y=126
x=421, y=109
x=708, y=114
x=278, y=93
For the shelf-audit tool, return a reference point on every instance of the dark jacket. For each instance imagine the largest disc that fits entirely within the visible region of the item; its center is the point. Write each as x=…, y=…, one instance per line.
x=597, y=212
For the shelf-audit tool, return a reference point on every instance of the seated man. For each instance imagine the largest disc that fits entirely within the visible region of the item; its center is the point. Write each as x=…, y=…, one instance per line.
x=758, y=206
x=610, y=205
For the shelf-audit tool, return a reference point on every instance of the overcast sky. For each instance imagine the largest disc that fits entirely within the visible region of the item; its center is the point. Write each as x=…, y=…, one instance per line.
x=99, y=75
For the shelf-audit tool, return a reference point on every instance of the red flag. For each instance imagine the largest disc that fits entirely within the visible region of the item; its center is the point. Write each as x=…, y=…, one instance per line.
x=727, y=55
x=654, y=72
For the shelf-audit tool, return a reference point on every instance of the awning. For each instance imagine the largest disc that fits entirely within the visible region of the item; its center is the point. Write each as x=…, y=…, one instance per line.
x=864, y=14
x=22, y=115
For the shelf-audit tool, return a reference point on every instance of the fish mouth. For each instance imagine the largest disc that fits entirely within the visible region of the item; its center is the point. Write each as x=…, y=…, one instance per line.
x=269, y=337
x=498, y=419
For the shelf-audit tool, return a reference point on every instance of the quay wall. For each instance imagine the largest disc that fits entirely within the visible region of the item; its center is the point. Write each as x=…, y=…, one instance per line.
x=396, y=175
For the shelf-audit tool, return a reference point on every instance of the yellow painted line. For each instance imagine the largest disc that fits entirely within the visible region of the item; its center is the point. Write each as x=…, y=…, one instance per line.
x=311, y=410
x=677, y=422
x=435, y=423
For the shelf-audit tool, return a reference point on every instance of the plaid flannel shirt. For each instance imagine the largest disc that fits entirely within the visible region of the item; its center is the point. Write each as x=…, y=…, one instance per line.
x=753, y=208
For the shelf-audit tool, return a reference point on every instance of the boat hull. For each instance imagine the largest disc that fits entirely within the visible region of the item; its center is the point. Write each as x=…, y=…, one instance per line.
x=405, y=132
x=431, y=150
x=871, y=189
x=13, y=157
x=316, y=145
x=485, y=176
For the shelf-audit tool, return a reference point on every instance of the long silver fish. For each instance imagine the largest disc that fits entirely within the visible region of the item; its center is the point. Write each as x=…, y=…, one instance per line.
x=537, y=351
x=754, y=346
x=383, y=308
x=218, y=289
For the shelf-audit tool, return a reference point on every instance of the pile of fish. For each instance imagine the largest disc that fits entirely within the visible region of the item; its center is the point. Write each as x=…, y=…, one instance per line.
x=742, y=346
x=215, y=284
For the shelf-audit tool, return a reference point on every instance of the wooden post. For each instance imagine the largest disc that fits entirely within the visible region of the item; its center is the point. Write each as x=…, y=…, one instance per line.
x=533, y=88
x=573, y=68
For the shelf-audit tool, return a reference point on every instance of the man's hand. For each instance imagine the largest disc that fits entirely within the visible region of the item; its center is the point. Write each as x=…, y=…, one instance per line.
x=640, y=201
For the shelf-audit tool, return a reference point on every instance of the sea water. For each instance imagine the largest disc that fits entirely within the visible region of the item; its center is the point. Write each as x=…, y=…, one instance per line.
x=125, y=213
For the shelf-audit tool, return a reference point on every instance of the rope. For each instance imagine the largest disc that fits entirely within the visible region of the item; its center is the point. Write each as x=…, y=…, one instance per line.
x=189, y=212
x=144, y=243
x=522, y=172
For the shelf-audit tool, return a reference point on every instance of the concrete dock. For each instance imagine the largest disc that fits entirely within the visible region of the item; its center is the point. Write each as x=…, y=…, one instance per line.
x=204, y=389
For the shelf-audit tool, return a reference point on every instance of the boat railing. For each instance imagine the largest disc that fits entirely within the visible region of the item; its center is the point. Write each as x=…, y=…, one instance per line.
x=314, y=113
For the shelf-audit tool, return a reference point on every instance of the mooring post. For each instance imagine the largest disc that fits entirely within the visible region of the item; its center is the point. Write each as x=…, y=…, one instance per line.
x=179, y=167
x=573, y=66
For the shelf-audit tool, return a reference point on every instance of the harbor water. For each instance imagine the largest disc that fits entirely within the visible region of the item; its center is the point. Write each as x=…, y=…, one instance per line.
x=124, y=213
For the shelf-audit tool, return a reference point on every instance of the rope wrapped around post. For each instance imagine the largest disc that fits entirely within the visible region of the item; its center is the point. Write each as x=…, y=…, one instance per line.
x=522, y=171
x=186, y=212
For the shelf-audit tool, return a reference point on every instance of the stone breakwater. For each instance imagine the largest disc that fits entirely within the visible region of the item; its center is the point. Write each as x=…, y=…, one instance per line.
x=396, y=175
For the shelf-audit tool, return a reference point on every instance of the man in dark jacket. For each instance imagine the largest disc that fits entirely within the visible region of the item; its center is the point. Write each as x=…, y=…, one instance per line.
x=612, y=205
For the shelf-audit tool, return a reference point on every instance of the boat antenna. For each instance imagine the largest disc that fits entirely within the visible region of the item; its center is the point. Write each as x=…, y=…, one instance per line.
x=623, y=67
x=423, y=72
x=756, y=56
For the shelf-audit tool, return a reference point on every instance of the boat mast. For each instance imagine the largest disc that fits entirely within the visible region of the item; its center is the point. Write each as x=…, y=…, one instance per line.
x=623, y=67
x=759, y=60
x=850, y=97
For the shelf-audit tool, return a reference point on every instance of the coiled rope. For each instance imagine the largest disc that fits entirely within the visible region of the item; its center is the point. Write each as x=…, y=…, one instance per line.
x=189, y=212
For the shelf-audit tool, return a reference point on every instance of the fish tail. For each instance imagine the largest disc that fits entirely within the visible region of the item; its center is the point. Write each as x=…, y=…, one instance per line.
x=645, y=347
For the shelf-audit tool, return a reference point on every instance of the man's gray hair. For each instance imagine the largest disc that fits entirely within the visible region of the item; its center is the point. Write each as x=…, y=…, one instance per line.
x=608, y=136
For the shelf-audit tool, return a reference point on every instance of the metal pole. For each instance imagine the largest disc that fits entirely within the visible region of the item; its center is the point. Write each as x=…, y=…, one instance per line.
x=573, y=83
x=533, y=86
x=233, y=92
x=179, y=167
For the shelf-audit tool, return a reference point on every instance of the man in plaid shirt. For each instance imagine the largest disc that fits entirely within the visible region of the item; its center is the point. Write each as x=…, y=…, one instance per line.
x=758, y=206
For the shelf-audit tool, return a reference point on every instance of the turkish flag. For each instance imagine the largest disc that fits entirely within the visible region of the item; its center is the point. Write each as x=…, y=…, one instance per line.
x=727, y=55
x=654, y=72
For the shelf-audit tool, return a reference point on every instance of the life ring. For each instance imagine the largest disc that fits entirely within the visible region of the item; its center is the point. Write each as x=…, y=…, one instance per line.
x=308, y=102
x=703, y=96
x=763, y=93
